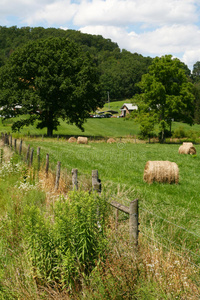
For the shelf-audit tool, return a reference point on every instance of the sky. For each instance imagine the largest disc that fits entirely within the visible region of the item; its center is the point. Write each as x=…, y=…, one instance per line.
x=148, y=27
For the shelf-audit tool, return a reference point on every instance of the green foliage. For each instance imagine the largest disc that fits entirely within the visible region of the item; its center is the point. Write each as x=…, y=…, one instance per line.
x=147, y=122
x=196, y=72
x=179, y=132
x=167, y=92
x=118, y=70
x=49, y=79
x=120, y=73
x=70, y=245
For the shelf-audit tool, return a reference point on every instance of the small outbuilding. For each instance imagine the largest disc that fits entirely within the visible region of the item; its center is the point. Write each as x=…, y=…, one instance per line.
x=127, y=108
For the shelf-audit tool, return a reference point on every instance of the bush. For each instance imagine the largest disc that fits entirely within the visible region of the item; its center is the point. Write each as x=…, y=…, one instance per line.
x=180, y=132
x=63, y=248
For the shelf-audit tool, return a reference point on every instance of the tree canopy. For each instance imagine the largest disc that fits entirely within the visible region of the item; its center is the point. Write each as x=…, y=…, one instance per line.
x=49, y=79
x=166, y=93
x=119, y=70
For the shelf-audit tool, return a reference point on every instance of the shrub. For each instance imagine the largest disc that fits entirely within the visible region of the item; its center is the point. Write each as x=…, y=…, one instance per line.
x=179, y=133
x=70, y=243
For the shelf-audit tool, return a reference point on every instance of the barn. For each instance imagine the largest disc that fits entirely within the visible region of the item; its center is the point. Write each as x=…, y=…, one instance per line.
x=127, y=108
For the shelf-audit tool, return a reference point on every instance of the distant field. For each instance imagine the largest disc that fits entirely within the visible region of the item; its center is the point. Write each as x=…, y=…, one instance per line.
x=96, y=127
x=121, y=166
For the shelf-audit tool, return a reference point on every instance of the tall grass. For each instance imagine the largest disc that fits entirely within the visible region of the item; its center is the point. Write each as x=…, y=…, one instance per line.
x=50, y=248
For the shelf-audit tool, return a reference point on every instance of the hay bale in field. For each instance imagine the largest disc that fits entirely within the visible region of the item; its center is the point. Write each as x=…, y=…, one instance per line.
x=161, y=171
x=187, y=148
x=82, y=140
x=72, y=139
x=111, y=140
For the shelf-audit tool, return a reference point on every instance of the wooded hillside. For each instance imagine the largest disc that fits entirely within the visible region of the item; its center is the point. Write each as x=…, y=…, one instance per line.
x=119, y=70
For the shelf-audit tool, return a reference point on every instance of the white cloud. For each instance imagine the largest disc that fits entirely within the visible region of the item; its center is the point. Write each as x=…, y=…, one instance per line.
x=57, y=12
x=182, y=41
x=124, y=12
x=148, y=27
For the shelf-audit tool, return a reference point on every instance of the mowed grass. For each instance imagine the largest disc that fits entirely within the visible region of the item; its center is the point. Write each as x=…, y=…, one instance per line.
x=170, y=212
x=93, y=127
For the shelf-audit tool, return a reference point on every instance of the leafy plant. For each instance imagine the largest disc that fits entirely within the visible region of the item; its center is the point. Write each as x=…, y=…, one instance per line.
x=69, y=245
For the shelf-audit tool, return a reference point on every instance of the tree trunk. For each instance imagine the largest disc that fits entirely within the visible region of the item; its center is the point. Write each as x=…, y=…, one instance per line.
x=49, y=131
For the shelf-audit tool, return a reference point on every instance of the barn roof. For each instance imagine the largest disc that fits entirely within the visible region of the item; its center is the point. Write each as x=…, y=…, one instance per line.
x=129, y=106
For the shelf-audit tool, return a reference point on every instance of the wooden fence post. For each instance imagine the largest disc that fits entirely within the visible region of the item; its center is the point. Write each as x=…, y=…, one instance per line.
x=31, y=157
x=11, y=141
x=15, y=145
x=38, y=157
x=116, y=219
x=20, y=148
x=27, y=154
x=96, y=182
x=6, y=139
x=57, y=175
x=1, y=156
x=75, y=179
x=47, y=165
x=133, y=222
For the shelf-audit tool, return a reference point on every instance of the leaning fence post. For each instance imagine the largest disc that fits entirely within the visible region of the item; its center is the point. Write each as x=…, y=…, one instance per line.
x=38, y=157
x=57, y=175
x=75, y=179
x=47, y=165
x=96, y=182
x=31, y=157
x=20, y=148
x=133, y=222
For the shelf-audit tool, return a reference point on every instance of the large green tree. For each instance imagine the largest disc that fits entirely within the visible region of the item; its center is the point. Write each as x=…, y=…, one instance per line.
x=47, y=80
x=166, y=93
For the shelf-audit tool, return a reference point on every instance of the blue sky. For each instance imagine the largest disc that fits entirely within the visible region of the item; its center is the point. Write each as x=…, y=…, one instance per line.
x=148, y=27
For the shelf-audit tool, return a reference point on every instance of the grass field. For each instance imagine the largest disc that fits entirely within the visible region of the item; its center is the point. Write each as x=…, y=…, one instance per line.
x=171, y=211
x=167, y=263
x=100, y=127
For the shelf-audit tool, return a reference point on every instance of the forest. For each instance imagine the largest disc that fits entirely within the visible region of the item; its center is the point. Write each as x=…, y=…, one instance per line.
x=119, y=69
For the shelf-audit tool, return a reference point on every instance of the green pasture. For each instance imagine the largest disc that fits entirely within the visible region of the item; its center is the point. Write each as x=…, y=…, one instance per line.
x=172, y=212
x=100, y=128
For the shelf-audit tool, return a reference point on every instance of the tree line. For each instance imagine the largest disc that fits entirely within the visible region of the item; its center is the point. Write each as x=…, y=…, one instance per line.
x=48, y=74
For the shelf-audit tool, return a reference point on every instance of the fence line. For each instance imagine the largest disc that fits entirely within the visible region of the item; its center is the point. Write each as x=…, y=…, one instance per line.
x=132, y=210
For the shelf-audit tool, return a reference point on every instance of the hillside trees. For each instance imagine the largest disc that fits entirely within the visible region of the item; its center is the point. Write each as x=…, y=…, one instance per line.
x=119, y=70
x=47, y=80
x=166, y=93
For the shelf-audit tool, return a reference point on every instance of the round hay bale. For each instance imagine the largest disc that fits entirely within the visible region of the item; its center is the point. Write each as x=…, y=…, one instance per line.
x=111, y=140
x=82, y=140
x=187, y=148
x=72, y=139
x=161, y=171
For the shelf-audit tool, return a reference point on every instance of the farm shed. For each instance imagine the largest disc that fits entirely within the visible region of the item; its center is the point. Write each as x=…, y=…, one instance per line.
x=127, y=108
